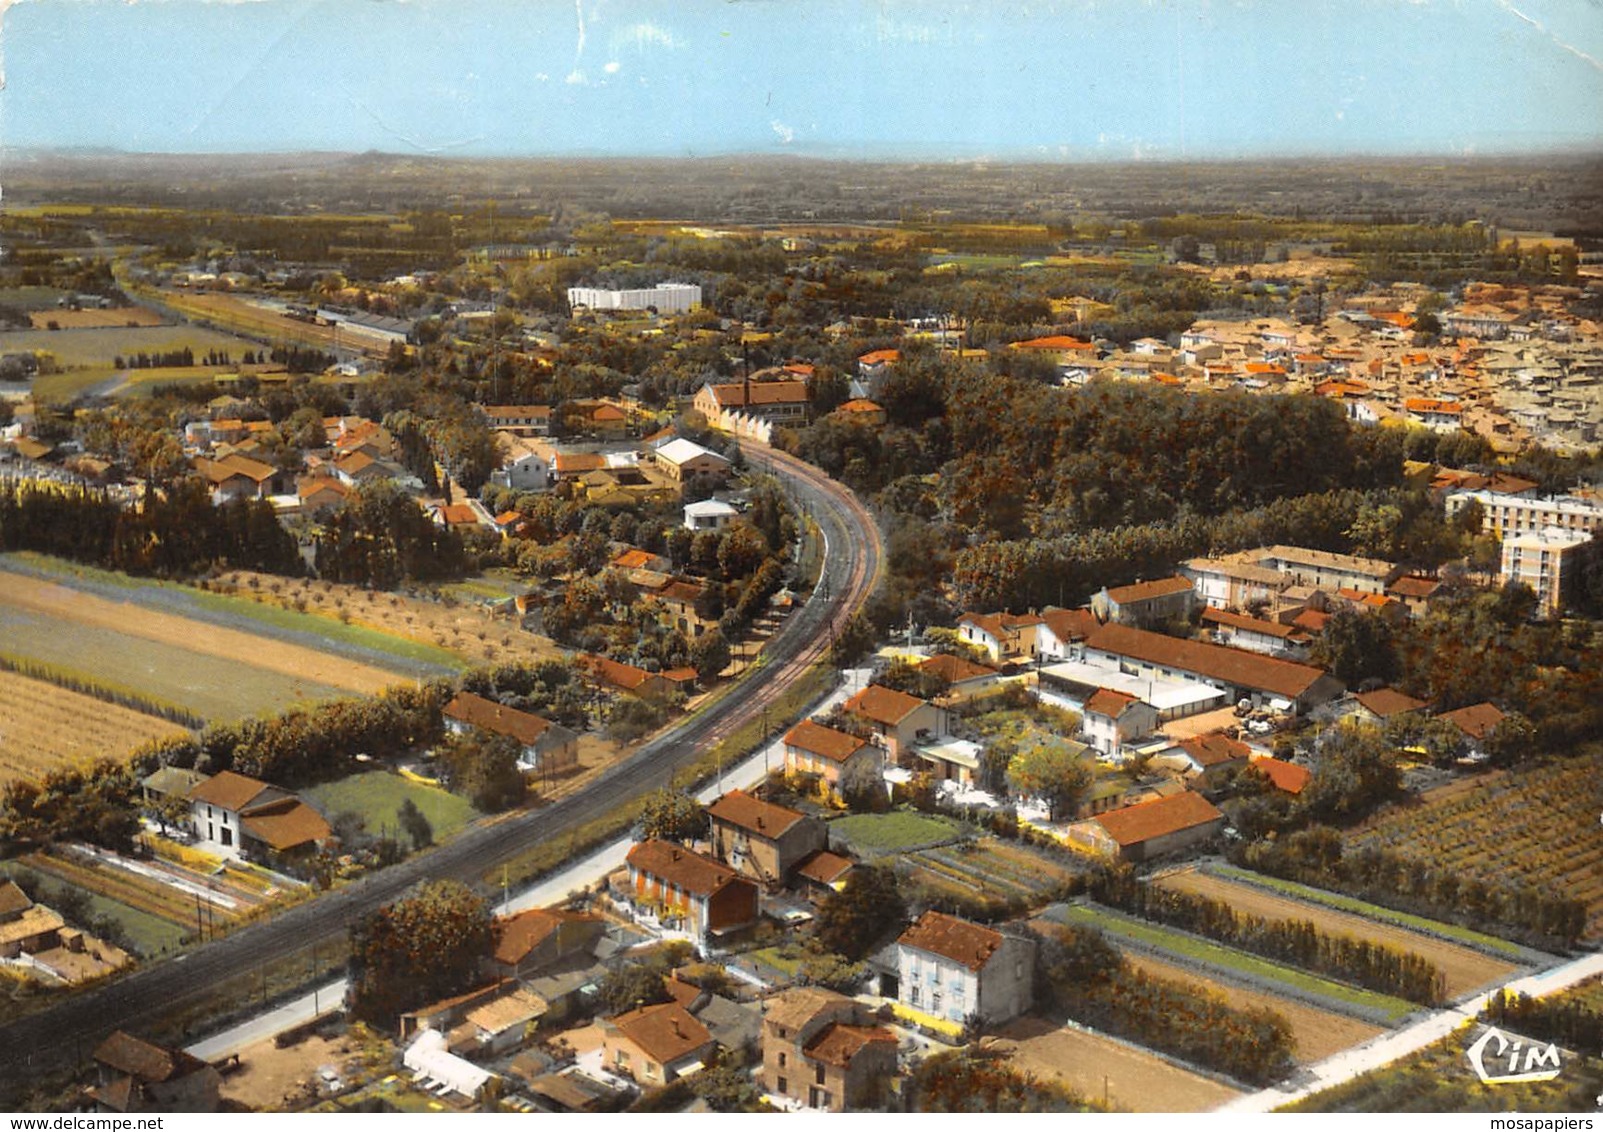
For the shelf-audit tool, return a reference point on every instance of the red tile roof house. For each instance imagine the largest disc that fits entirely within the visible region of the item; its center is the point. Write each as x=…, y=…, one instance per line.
x=1005, y=636
x=1289, y=778
x=824, y=1051
x=897, y=720
x=1386, y=703
x=842, y=761
x=133, y=1075
x=547, y=747
x=1214, y=754
x=629, y=678
x=540, y=938
x=701, y=896
x=953, y=969
x=243, y=817
x=1145, y=604
x=655, y=1045
x=1112, y=718
x=1477, y=722
x=1150, y=829
x=761, y=840
x=963, y=678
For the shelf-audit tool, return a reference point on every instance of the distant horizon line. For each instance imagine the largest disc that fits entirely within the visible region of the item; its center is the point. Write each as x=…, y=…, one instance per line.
x=1576, y=151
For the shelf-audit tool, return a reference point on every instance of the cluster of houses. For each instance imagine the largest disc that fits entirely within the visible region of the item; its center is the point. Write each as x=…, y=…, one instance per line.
x=817, y=1049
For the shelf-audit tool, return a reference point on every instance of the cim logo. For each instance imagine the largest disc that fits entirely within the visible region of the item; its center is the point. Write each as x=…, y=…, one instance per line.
x=1507, y=1059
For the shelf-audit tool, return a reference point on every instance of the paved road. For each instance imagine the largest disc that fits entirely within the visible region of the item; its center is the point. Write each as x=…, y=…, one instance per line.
x=852, y=564
x=1387, y=1048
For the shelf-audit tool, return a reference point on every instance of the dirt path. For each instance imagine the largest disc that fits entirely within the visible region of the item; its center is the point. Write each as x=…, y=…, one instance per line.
x=1094, y=1066
x=1466, y=970
x=51, y=600
x=1317, y=1033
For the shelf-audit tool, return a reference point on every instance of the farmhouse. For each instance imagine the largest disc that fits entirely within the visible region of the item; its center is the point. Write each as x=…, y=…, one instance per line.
x=952, y=969
x=824, y=1051
x=238, y=477
x=706, y=898
x=1383, y=704
x=1150, y=829
x=546, y=747
x=761, y=840
x=236, y=816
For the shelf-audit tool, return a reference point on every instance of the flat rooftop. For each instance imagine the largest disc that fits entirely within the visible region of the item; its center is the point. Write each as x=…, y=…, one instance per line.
x=1075, y=680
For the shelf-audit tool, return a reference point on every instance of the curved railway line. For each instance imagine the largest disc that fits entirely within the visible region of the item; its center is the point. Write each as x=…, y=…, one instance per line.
x=46, y=1039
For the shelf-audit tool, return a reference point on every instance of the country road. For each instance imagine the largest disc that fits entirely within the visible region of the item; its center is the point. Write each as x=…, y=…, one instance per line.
x=52, y=1037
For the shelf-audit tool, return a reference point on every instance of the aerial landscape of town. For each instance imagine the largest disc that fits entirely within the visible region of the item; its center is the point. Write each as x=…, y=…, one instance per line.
x=543, y=573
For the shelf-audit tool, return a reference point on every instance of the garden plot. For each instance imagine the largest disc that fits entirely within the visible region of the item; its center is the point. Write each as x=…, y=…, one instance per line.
x=1465, y=970
x=1316, y=1033
x=1195, y=952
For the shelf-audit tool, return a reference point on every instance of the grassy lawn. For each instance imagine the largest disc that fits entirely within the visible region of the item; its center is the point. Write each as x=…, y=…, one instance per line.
x=1340, y=903
x=1229, y=959
x=150, y=935
x=772, y=957
x=874, y=834
x=378, y=794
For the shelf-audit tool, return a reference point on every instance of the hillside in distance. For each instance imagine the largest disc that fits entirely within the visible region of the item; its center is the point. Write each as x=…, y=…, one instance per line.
x=1562, y=193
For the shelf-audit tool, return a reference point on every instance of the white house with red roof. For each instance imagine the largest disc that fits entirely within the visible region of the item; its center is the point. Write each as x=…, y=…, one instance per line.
x=954, y=969
x=1112, y=718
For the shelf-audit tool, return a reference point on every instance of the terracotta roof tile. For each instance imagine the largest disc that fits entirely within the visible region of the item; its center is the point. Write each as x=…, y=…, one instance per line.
x=1147, y=591
x=1286, y=776
x=1236, y=666
x=688, y=870
x=961, y=941
x=740, y=809
x=816, y=739
x=838, y=1043
x=1386, y=702
x=1146, y=820
x=883, y=705
x=1476, y=721
x=145, y=1061
x=228, y=790
x=487, y=715
x=1215, y=749
x=665, y=1032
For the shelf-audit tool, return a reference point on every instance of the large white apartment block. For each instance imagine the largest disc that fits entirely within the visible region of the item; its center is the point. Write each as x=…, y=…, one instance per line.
x=667, y=298
x=1545, y=561
x=1507, y=515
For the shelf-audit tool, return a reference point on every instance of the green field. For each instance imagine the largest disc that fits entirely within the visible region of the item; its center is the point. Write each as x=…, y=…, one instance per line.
x=877, y=834
x=1228, y=959
x=210, y=686
x=150, y=935
x=378, y=794
x=1340, y=903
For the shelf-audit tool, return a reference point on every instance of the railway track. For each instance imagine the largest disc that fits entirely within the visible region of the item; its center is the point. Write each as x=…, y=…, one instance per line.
x=50, y=1038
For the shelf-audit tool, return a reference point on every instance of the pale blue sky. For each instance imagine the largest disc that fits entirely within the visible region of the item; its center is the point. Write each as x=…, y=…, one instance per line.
x=1076, y=79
